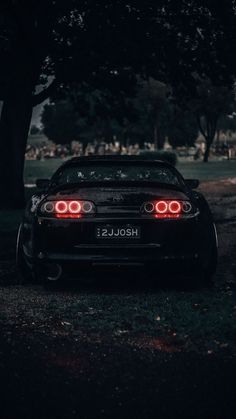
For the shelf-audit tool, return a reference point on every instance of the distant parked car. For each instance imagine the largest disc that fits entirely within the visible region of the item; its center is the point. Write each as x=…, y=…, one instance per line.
x=116, y=210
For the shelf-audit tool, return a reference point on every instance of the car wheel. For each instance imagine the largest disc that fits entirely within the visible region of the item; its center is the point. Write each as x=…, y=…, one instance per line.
x=210, y=268
x=209, y=258
x=25, y=272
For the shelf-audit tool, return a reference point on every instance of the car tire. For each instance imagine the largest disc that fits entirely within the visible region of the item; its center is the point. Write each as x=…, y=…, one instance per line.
x=210, y=268
x=209, y=264
x=25, y=273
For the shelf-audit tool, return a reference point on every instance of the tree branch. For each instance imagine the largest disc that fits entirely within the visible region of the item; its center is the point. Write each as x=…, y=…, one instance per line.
x=40, y=97
x=212, y=130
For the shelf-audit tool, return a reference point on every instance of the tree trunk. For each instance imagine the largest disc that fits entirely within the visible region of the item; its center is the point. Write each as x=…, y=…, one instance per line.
x=158, y=140
x=207, y=151
x=217, y=141
x=155, y=138
x=14, y=126
x=208, y=132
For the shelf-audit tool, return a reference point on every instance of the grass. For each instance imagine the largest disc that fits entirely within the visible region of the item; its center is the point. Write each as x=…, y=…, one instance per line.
x=200, y=320
x=213, y=170
x=35, y=169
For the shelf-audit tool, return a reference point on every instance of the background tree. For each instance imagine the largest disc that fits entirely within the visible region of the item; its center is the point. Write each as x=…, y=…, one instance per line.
x=90, y=113
x=63, y=42
x=27, y=31
x=150, y=103
x=227, y=122
x=159, y=117
x=182, y=128
x=210, y=103
x=68, y=41
x=60, y=122
x=87, y=115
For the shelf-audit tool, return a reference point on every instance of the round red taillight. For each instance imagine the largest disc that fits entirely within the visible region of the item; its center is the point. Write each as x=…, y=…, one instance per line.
x=74, y=207
x=61, y=207
x=161, y=207
x=174, y=207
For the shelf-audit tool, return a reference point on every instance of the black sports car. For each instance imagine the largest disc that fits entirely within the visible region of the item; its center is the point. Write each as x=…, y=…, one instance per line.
x=116, y=210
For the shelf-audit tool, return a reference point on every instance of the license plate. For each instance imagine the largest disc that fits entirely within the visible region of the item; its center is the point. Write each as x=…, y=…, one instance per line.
x=113, y=232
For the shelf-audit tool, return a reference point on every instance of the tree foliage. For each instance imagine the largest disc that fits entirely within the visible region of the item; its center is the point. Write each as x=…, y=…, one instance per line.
x=209, y=104
x=87, y=115
x=53, y=44
x=60, y=122
x=182, y=127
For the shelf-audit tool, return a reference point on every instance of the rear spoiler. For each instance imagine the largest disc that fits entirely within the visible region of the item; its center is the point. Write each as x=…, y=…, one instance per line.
x=100, y=184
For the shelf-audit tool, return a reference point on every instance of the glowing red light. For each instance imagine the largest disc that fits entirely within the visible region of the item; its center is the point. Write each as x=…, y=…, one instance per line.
x=161, y=207
x=174, y=207
x=162, y=216
x=74, y=207
x=61, y=207
x=66, y=216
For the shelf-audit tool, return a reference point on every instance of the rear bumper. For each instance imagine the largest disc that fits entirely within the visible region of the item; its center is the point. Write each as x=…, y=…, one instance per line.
x=79, y=237
x=143, y=256
x=169, y=245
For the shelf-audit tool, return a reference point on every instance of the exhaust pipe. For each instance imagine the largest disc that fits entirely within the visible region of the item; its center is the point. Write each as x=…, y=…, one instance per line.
x=54, y=272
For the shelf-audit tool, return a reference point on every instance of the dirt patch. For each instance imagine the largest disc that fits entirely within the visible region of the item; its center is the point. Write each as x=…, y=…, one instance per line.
x=221, y=187
x=221, y=196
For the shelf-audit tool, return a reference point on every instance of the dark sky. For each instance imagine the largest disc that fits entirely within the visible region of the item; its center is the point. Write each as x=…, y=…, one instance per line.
x=36, y=114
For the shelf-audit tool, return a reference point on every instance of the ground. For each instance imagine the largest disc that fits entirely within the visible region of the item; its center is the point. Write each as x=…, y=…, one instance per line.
x=122, y=347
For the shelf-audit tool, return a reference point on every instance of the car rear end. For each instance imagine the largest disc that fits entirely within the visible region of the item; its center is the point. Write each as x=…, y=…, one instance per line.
x=133, y=224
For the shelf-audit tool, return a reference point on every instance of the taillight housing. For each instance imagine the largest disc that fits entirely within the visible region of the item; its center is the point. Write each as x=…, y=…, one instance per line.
x=66, y=209
x=166, y=208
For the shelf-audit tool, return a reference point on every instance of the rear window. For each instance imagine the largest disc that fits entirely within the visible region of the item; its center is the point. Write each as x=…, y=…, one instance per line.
x=109, y=173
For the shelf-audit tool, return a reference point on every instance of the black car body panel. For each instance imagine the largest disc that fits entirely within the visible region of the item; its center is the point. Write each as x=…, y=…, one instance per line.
x=183, y=244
